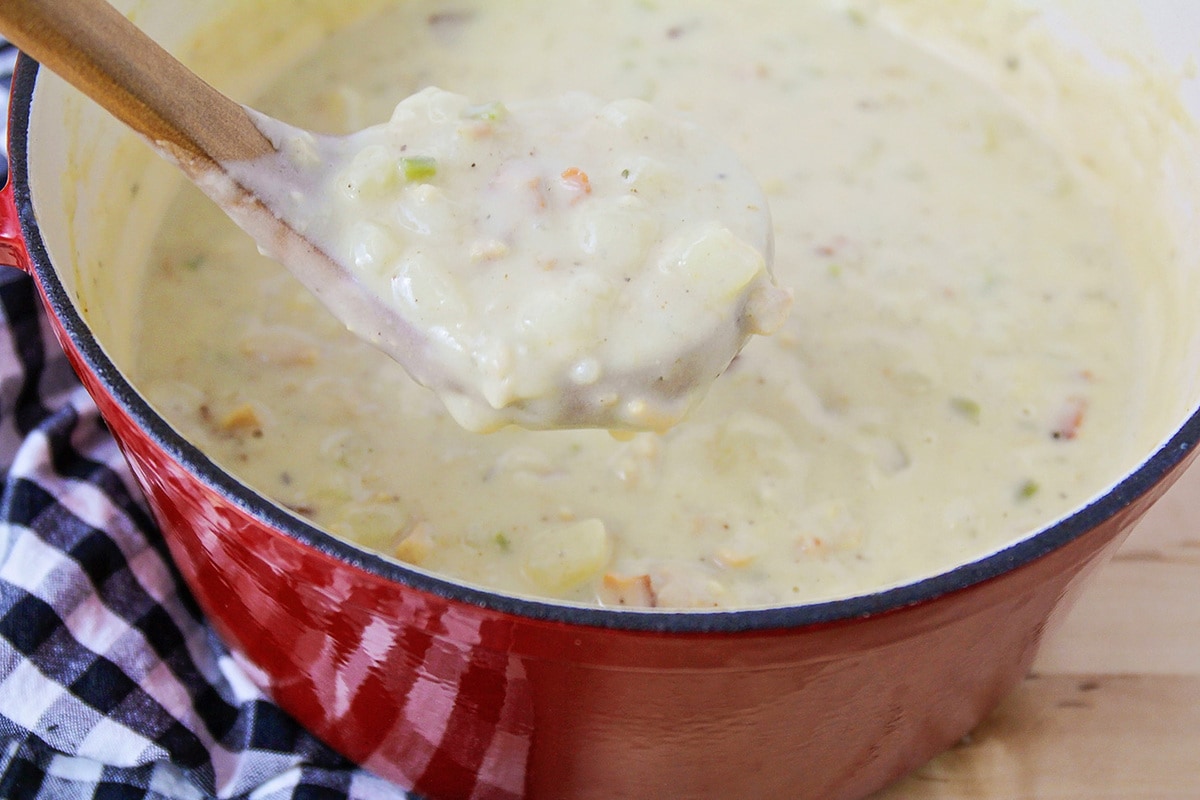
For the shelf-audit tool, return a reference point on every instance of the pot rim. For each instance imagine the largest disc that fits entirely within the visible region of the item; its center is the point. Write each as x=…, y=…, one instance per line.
x=717, y=621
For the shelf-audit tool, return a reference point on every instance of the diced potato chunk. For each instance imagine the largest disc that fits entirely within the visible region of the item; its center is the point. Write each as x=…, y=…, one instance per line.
x=371, y=173
x=427, y=294
x=721, y=264
x=566, y=557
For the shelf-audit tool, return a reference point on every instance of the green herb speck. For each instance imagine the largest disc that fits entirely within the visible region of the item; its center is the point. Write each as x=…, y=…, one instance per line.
x=503, y=542
x=1027, y=489
x=490, y=112
x=966, y=407
x=418, y=168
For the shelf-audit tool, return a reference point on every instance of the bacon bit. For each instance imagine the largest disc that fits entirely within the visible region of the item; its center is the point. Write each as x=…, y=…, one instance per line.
x=1072, y=418
x=488, y=250
x=835, y=246
x=477, y=129
x=536, y=185
x=809, y=545
x=577, y=180
x=243, y=419
x=303, y=509
x=733, y=558
x=624, y=590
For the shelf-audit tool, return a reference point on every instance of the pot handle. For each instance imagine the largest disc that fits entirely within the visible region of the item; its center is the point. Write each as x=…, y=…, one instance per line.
x=12, y=244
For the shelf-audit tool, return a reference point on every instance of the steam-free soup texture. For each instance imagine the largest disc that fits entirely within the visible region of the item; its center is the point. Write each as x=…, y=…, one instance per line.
x=957, y=369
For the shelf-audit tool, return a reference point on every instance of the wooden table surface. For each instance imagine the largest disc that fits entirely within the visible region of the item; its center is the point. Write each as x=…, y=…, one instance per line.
x=1111, y=710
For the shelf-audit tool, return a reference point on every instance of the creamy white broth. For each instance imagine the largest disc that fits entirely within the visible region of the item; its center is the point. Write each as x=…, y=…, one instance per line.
x=958, y=367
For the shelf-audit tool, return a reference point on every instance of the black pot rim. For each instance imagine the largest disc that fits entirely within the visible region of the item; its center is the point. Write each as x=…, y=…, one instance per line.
x=1042, y=542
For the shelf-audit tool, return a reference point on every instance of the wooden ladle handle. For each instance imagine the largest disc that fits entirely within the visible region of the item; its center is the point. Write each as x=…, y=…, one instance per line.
x=105, y=56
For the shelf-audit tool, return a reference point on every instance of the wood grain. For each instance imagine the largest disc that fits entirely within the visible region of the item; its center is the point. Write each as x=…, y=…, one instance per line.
x=98, y=51
x=1112, y=709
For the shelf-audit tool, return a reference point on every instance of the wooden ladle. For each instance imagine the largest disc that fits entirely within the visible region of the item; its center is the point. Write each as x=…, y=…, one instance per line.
x=97, y=50
x=210, y=137
x=100, y=52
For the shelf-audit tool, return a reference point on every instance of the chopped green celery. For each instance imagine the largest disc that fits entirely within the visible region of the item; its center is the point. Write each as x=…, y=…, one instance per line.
x=418, y=168
x=491, y=112
x=967, y=407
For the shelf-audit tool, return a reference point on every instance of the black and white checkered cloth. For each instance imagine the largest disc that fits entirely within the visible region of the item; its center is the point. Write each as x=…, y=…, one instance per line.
x=112, y=687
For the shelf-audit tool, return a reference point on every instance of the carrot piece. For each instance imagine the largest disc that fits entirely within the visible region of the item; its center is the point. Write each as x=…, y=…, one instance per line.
x=1071, y=419
x=636, y=590
x=577, y=180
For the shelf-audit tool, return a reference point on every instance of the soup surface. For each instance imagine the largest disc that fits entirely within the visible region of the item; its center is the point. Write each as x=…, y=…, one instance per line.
x=957, y=370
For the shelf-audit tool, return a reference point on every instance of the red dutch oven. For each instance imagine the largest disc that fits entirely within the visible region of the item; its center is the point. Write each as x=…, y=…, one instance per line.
x=458, y=692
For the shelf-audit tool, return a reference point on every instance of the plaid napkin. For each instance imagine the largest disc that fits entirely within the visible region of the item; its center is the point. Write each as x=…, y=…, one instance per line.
x=112, y=687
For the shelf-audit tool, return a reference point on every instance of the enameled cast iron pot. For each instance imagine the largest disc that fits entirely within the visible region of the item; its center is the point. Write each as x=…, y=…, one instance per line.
x=462, y=693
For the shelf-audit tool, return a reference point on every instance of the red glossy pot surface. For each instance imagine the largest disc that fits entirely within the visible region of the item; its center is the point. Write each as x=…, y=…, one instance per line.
x=462, y=694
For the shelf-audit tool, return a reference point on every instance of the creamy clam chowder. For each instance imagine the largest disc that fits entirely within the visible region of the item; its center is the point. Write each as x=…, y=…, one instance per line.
x=958, y=367
x=560, y=262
